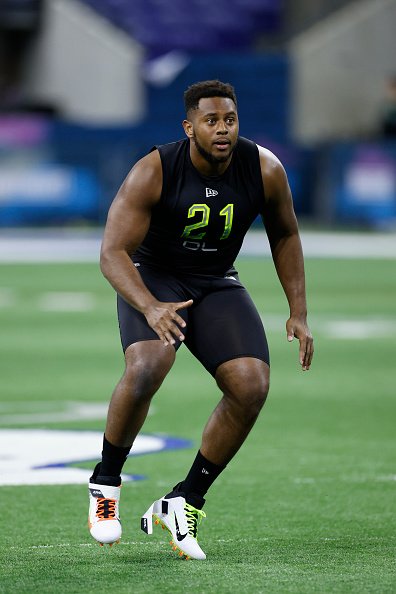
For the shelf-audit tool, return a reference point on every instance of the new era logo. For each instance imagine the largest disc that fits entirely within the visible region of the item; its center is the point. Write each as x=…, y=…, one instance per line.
x=96, y=493
x=210, y=193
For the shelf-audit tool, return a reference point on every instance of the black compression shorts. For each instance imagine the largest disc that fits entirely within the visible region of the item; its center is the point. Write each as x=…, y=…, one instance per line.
x=222, y=324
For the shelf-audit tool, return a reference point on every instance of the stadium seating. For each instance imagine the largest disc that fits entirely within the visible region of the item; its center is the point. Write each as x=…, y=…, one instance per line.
x=201, y=25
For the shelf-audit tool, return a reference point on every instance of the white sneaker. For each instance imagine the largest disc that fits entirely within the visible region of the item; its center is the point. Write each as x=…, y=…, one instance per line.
x=181, y=519
x=104, y=520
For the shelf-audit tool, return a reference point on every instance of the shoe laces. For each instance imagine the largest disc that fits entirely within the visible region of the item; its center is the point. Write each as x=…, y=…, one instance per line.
x=106, y=508
x=194, y=518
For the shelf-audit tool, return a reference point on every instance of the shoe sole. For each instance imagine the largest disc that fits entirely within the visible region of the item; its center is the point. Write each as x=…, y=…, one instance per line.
x=102, y=544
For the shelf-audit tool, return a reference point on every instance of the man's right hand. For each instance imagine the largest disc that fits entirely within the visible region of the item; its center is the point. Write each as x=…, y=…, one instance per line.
x=165, y=321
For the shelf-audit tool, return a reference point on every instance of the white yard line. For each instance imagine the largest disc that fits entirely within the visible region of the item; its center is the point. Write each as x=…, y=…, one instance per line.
x=66, y=301
x=160, y=544
x=40, y=412
x=74, y=411
x=73, y=246
x=340, y=328
x=360, y=329
x=7, y=297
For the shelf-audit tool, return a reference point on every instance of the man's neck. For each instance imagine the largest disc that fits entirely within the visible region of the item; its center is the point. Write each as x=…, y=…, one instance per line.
x=204, y=166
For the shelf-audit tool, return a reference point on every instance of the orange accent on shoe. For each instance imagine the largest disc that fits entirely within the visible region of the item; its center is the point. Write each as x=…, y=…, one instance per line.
x=105, y=509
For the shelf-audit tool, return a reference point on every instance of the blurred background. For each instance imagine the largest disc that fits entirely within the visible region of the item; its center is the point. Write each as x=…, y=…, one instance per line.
x=88, y=86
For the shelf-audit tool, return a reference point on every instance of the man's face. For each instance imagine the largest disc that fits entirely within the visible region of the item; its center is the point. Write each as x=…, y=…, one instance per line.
x=213, y=128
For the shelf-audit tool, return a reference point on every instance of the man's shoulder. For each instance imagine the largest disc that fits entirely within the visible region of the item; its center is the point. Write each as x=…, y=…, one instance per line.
x=171, y=147
x=245, y=145
x=268, y=156
x=272, y=171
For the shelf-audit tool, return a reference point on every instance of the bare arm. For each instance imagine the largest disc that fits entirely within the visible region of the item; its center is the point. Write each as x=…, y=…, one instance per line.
x=127, y=224
x=282, y=230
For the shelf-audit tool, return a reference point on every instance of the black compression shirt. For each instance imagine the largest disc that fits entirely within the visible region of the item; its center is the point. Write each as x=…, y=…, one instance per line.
x=199, y=223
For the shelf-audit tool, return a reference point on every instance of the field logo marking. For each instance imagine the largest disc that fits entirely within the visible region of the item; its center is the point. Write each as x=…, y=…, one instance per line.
x=46, y=456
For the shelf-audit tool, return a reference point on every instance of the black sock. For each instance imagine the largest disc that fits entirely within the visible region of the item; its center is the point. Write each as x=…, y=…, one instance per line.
x=108, y=471
x=200, y=477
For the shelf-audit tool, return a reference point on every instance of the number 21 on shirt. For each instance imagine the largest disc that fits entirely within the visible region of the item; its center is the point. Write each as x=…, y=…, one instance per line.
x=227, y=212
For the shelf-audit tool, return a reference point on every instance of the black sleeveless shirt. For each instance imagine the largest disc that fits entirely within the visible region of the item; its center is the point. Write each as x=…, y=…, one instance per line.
x=199, y=223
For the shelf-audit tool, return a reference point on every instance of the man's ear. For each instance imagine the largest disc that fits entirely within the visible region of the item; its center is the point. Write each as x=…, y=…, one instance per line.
x=188, y=128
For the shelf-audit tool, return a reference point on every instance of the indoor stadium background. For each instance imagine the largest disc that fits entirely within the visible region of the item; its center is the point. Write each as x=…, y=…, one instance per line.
x=86, y=88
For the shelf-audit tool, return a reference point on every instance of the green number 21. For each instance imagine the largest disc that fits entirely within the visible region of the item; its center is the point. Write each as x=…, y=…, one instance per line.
x=227, y=212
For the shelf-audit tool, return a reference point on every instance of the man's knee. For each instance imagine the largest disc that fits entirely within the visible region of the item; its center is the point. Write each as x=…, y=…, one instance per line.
x=245, y=383
x=146, y=366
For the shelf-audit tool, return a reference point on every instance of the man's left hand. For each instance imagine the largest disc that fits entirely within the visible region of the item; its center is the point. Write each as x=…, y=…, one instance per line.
x=297, y=327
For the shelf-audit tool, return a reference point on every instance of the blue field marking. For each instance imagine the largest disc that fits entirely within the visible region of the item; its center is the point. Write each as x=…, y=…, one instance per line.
x=48, y=456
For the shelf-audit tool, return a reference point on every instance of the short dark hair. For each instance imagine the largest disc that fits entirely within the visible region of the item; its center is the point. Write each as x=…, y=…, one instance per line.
x=207, y=88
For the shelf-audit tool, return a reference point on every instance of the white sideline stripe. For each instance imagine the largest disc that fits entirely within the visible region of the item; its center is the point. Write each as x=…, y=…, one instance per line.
x=151, y=543
x=66, y=301
x=79, y=544
x=36, y=249
x=361, y=329
x=30, y=247
x=330, y=245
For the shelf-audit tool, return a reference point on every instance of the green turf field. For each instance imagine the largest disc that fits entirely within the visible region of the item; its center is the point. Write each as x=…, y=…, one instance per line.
x=307, y=506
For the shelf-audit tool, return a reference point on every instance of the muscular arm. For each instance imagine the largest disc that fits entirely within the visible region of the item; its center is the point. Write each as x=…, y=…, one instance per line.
x=127, y=224
x=282, y=230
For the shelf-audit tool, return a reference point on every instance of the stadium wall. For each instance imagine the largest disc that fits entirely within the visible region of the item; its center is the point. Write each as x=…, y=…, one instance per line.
x=339, y=70
x=86, y=67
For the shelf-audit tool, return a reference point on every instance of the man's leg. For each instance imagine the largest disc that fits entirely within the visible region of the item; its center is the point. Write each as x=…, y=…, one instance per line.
x=227, y=336
x=244, y=382
x=146, y=365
